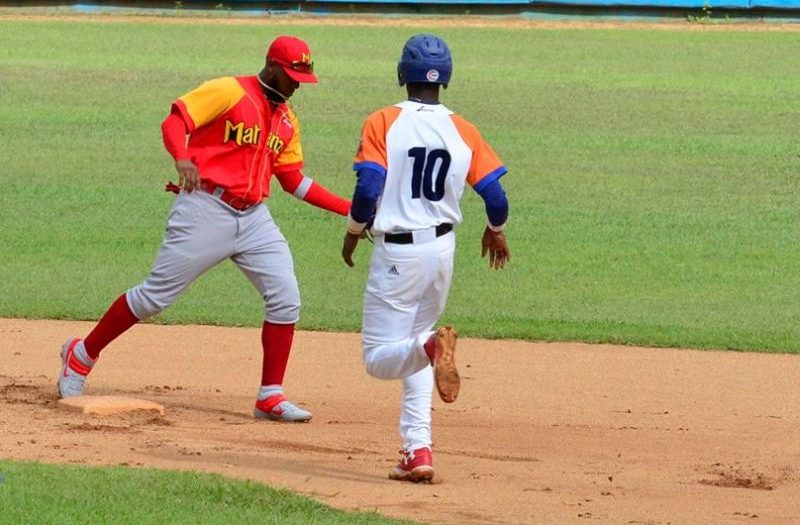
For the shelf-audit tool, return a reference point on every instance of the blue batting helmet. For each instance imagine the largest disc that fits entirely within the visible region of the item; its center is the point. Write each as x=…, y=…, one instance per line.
x=425, y=58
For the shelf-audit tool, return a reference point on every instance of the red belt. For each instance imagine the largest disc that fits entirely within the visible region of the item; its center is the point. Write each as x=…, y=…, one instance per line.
x=234, y=201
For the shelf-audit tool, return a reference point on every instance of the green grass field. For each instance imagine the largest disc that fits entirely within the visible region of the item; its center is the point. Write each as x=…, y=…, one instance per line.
x=653, y=176
x=41, y=494
x=652, y=182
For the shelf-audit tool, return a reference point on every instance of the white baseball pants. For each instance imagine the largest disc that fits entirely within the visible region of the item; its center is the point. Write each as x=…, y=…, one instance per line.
x=405, y=296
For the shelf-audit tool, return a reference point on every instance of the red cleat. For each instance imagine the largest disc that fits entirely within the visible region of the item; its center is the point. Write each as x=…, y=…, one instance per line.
x=416, y=465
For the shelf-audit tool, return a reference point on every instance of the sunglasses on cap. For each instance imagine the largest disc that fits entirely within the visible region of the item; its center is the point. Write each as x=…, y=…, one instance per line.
x=297, y=65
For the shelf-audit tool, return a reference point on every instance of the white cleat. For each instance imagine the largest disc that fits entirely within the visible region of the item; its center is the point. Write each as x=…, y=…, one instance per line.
x=73, y=370
x=278, y=408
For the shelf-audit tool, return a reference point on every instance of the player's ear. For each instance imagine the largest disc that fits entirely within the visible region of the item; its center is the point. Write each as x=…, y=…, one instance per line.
x=269, y=68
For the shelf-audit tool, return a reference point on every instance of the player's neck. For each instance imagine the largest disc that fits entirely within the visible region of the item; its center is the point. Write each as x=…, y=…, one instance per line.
x=423, y=93
x=424, y=100
x=272, y=95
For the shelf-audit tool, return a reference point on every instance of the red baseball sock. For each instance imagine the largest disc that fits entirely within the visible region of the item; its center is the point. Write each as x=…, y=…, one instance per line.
x=276, y=339
x=116, y=320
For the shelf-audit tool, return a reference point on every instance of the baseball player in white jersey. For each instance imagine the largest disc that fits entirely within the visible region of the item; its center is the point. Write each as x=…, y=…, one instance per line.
x=414, y=160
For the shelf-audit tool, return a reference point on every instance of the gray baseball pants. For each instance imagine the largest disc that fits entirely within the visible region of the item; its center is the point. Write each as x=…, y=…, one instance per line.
x=201, y=232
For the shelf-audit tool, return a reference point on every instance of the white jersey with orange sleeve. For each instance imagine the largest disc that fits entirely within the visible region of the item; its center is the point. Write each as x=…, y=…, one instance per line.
x=428, y=154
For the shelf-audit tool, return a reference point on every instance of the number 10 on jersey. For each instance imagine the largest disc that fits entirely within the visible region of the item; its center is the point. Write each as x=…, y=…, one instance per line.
x=422, y=180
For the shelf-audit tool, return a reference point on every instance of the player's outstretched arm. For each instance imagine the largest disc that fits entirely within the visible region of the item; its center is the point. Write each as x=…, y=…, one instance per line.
x=312, y=192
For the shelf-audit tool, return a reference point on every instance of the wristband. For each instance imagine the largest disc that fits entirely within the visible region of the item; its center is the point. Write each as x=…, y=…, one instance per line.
x=496, y=229
x=354, y=227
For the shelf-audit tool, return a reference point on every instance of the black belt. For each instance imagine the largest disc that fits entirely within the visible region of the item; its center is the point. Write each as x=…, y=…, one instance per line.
x=408, y=237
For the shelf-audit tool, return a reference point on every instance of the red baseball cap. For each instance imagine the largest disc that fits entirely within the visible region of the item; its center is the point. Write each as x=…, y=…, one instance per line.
x=295, y=57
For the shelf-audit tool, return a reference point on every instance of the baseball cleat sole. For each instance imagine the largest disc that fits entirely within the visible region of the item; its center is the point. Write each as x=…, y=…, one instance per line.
x=418, y=475
x=445, y=373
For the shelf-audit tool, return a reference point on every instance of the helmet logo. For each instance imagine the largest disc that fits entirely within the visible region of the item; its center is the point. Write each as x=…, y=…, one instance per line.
x=432, y=75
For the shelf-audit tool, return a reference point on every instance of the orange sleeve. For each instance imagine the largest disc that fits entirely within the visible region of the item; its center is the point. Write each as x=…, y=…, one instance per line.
x=210, y=100
x=372, y=148
x=485, y=162
x=291, y=157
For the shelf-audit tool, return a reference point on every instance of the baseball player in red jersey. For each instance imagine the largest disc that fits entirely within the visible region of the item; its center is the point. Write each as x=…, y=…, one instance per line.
x=414, y=160
x=241, y=131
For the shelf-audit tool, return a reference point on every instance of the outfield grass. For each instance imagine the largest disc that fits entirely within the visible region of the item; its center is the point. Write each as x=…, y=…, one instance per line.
x=653, y=176
x=31, y=493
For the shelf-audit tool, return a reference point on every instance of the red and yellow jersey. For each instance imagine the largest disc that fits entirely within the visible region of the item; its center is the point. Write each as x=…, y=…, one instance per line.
x=428, y=154
x=237, y=139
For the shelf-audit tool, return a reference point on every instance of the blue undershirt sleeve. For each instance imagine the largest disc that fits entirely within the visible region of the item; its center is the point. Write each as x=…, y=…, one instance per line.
x=365, y=197
x=494, y=196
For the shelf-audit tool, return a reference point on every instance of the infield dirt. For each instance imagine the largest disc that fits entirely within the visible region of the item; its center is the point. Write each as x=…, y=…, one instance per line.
x=542, y=433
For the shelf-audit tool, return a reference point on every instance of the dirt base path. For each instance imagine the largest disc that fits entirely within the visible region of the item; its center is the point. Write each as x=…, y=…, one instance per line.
x=542, y=433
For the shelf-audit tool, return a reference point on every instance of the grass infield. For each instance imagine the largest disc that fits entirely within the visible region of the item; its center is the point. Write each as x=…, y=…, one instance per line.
x=32, y=493
x=653, y=175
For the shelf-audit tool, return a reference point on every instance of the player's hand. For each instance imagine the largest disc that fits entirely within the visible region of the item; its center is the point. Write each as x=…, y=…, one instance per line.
x=494, y=243
x=189, y=175
x=349, y=246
